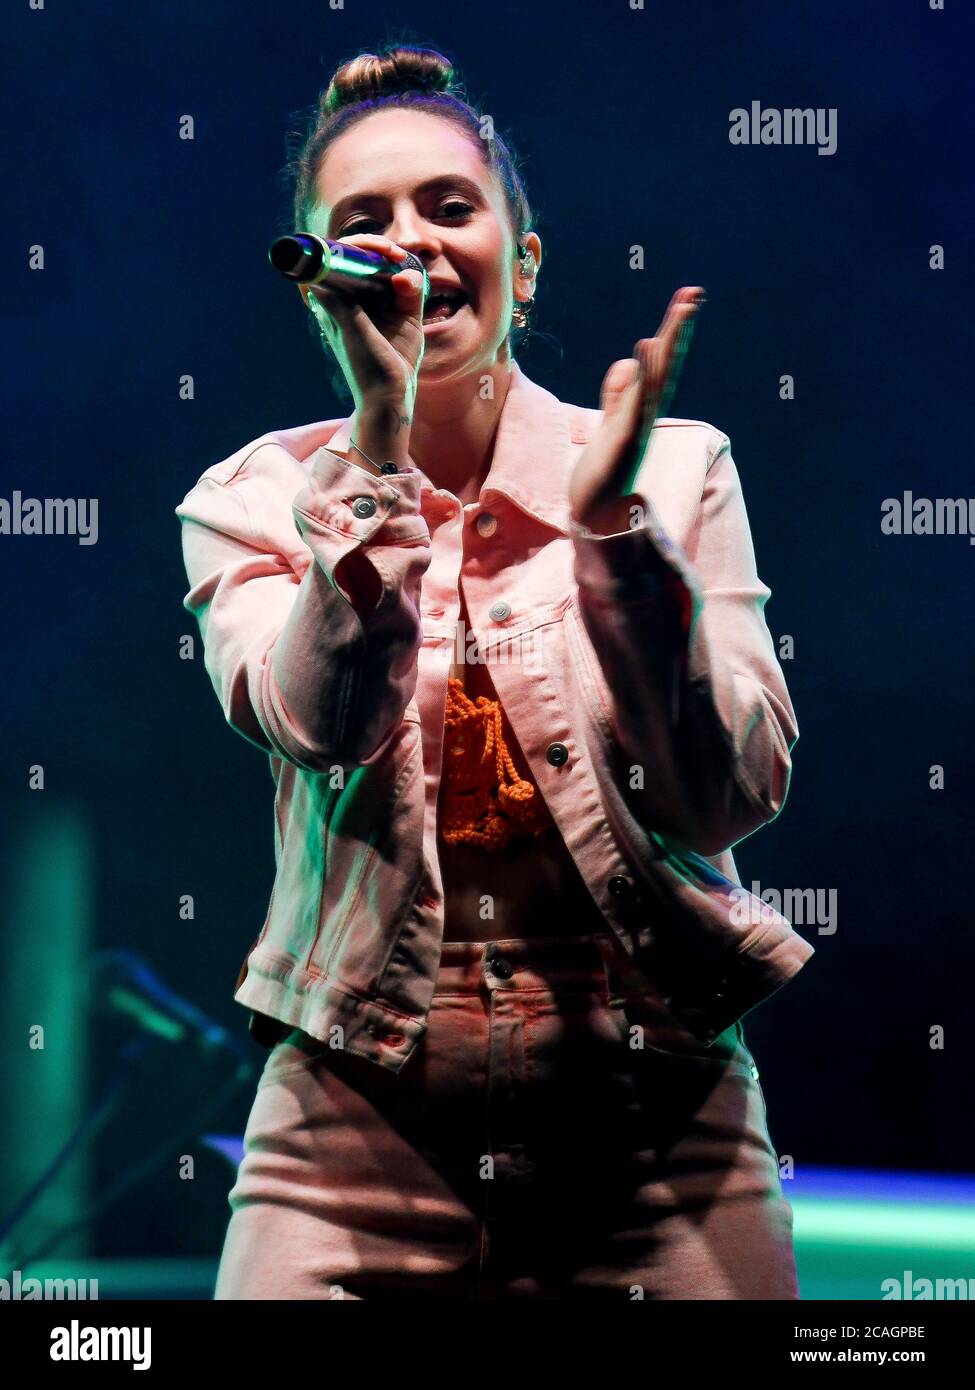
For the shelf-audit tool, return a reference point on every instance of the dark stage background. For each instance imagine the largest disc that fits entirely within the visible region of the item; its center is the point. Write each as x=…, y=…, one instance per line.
x=816, y=266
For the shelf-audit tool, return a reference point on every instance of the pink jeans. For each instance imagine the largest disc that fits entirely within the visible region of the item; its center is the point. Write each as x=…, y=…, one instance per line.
x=530, y=1148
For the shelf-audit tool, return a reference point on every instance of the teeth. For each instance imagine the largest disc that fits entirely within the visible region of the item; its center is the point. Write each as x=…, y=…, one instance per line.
x=441, y=306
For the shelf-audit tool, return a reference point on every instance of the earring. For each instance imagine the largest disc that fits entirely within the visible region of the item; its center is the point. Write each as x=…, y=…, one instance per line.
x=520, y=313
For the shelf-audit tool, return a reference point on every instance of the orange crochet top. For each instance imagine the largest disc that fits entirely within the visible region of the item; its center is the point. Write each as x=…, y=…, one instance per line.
x=485, y=800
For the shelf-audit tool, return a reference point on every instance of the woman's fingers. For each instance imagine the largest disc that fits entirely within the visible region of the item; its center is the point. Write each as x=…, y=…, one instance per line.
x=409, y=286
x=339, y=303
x=409, y=282
x=633, y=393
x=674, y=331
x=343, y=303
x=675, y=347
x=681, y=311
x=663, y=355
x=371, y=241
x=682, y=327
x=688, y=297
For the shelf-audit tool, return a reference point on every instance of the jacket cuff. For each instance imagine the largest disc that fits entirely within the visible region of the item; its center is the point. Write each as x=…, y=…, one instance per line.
x=337, y=483
x=345, y=508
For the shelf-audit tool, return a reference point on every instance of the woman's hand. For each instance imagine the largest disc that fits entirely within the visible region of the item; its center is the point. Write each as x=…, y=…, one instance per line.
x=635, y=393
x=378, y=342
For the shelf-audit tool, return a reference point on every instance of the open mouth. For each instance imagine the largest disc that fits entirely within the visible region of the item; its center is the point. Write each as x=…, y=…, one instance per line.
x=442, y=306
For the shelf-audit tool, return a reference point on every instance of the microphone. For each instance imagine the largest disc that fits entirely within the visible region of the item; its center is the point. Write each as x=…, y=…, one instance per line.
x=306, y=259
x=120, y=982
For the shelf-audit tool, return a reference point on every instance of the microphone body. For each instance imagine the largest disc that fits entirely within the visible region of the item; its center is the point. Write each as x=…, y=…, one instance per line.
x=306, y=259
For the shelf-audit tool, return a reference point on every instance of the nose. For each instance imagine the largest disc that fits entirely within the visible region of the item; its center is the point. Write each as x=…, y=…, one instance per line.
x=415, y=234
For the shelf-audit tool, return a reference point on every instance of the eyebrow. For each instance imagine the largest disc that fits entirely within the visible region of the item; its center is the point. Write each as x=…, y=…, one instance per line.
x=455, y=181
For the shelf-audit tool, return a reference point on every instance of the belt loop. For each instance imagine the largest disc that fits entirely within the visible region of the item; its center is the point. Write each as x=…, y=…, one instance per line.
x=610, y=958
x=623, y=977
x=486, y=982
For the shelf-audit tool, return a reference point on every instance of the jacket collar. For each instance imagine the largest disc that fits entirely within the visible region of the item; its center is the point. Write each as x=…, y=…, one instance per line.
x=534, y=449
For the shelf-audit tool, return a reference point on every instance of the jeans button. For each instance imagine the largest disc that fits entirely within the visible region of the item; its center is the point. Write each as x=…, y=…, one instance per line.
x=501, y=967
x=364, y=506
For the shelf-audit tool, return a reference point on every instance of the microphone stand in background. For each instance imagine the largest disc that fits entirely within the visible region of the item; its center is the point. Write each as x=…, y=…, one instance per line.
x=128, y=986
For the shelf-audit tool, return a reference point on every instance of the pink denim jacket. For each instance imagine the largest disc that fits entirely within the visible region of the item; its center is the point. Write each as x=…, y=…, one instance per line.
x=636, y=671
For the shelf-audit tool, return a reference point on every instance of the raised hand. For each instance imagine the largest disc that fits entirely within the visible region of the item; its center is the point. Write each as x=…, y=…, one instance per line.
x=378, y=343
x=635, y=393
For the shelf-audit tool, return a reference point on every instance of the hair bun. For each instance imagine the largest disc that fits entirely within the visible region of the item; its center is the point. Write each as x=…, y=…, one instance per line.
x=400, y=69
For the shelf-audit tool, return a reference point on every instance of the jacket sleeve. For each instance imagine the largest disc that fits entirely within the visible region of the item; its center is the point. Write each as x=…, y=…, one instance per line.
x=699, y=700
x=314, y=667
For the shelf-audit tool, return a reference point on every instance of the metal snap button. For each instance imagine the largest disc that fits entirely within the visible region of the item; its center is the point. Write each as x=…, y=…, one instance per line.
x=557, y=754
x=364, y=506
x=486, y=524
x=500, y=610
x=619, y=887
x=501, y=967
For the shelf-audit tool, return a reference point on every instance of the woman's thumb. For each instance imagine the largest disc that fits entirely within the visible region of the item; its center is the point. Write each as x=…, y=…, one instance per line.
x=615, y=382
x=411, y=287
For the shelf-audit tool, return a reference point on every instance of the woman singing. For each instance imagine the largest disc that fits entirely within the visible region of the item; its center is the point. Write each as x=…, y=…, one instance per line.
x=509, y=661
